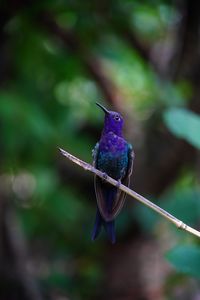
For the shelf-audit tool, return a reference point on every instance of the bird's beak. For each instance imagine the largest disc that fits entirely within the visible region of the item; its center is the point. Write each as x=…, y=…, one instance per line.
x=102, y=107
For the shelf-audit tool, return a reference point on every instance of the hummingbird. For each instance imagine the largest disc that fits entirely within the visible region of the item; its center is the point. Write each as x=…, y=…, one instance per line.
x=114, y=156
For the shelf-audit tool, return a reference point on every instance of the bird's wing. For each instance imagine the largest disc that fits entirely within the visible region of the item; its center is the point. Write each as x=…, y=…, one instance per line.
x=110, y=199
x=121, y=196
x=131, y=157
x=105, y=193
x=95, y=153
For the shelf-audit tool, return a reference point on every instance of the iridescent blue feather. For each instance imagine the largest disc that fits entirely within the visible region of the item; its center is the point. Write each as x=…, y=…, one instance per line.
x=114, y=156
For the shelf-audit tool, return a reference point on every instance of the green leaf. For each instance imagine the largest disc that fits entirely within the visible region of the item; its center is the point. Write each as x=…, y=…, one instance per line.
x=184, y=124
x=186, y=259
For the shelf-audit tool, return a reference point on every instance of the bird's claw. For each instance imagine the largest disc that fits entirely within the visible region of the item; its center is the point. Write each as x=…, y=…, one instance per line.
x=118, y=183
x=105, y=176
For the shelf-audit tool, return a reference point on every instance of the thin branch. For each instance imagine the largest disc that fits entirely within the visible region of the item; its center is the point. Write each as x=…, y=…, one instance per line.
x=178, y=223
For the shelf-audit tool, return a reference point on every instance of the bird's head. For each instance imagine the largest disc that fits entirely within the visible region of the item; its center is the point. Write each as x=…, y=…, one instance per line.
x=113, y=121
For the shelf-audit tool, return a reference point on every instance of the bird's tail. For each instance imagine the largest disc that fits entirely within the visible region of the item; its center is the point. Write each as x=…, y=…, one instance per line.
x=110, y=230
x=109, y=227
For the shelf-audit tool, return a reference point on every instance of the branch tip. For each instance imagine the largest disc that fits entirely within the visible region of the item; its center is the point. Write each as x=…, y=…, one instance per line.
x=178, y=223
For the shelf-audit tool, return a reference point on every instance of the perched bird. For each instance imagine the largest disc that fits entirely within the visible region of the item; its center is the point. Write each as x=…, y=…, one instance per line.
x=113, y=156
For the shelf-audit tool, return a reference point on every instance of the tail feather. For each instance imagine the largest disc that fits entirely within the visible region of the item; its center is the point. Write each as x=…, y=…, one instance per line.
x=110, y=230
x=97, y=225
x=108, y=226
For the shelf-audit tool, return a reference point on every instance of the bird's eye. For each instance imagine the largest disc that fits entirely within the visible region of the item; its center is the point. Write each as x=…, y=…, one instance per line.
x=117, y=118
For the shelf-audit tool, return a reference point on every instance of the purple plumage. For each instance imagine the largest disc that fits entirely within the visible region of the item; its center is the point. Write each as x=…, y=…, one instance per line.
x=113, y=156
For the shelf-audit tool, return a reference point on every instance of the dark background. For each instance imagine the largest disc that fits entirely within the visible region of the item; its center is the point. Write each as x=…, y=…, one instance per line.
x=57, y=58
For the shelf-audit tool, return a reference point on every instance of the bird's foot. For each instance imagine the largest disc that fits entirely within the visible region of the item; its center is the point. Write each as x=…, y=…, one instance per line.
x=118, y=183
x=105, y=176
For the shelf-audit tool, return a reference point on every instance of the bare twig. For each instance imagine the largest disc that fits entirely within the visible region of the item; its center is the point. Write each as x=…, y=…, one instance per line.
x=178, y=223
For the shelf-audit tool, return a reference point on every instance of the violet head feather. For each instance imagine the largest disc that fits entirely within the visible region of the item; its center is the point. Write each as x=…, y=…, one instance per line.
x=113, y=121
